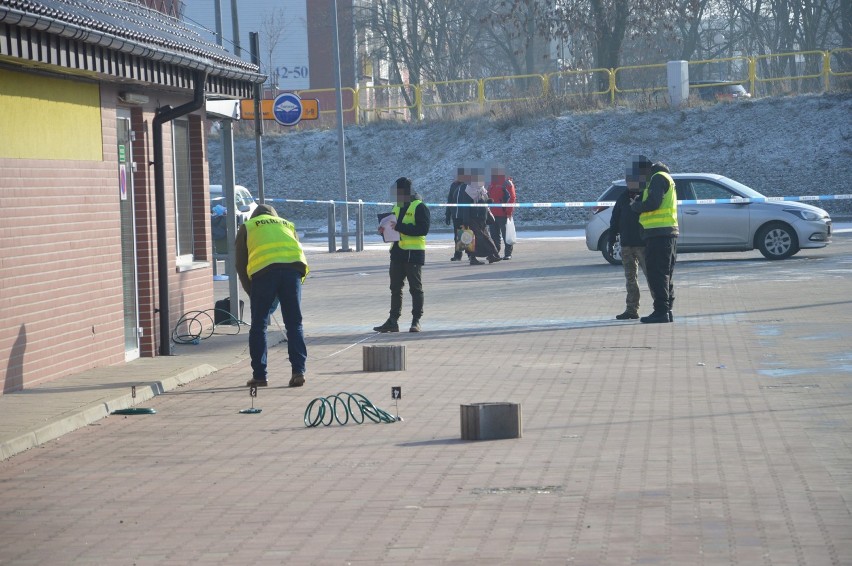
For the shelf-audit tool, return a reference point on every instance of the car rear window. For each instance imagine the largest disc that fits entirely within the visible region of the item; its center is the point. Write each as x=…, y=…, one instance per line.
x=612, y=193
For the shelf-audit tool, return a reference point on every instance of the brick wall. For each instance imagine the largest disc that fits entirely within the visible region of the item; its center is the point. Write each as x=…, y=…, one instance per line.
x=60, y=253
x=60, y=266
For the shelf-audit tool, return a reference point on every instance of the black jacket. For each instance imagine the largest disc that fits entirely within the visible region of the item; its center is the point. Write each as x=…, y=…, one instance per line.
x=625, y=221
x=455, y=196
x=422, y=221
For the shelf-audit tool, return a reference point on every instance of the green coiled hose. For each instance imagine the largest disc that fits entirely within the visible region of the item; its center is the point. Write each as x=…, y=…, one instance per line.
x=326, y=410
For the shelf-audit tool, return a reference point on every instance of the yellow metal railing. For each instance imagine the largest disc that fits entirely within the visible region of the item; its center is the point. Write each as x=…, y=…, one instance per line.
x=441, y=94
x=644, y=80
x=513, y=88
x=577, y=83
x=844, y=53
x=411, y=101
x=786, y=60
x=396, y=101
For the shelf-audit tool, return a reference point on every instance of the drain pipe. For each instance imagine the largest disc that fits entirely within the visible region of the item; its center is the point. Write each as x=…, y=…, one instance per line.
x=167, y=114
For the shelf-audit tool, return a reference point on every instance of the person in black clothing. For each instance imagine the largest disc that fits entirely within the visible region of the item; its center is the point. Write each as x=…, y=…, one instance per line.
x=478, y=219
x=657, y=208
x=407, y=256
x=624, y=226
x=454, y=214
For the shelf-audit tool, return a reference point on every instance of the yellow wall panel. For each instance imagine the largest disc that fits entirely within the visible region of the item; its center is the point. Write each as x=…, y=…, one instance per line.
x=49, y=118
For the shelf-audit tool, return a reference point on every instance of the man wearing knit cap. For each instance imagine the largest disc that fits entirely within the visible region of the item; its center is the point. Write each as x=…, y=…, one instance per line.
x=272, y=267
x=657, y=208
x=411, y=218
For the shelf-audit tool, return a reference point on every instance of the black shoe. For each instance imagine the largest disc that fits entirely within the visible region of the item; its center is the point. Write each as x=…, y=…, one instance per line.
x=474, y=261
x=494, y=259
x=297, y=379
x=390, y=325
x=656, y=316
x=257, y=382
x=415, y=325
x=455, y=258
x=507, y=257
x=627, y=315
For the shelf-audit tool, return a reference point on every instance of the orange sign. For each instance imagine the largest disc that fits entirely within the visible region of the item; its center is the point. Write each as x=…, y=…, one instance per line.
x=310, y=109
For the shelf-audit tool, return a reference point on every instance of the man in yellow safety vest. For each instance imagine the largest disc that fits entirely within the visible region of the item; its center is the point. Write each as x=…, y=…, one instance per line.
x=411, y=219
x=657, y=208
x=272, y=267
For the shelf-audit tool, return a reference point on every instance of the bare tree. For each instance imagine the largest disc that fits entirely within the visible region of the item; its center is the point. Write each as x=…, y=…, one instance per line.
x=271, y=31
x=423, y=40
x=605, y=24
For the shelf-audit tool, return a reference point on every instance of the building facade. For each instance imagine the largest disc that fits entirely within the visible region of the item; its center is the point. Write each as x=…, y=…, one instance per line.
x=104, y=205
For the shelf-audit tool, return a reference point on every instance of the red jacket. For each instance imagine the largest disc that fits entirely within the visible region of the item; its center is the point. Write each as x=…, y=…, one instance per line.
x=502, y=191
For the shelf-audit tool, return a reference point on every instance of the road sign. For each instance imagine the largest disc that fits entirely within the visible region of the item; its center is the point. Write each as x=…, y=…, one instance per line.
x=287, y=109
x=310, y=109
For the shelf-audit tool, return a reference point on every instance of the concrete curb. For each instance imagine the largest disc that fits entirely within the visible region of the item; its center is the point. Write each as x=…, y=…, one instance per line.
x=97, y=411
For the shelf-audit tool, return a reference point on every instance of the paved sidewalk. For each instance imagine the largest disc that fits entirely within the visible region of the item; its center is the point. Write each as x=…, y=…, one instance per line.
x=720, y=439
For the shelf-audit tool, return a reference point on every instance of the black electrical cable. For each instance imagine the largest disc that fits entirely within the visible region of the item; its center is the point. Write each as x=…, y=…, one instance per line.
x=195, y=326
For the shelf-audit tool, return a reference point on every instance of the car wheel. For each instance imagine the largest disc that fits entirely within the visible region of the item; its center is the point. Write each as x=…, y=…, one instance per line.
x=777, y=241
x=615, y=258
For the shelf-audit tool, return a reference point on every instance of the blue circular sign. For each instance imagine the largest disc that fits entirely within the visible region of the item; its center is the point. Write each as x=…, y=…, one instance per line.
x=287, y=109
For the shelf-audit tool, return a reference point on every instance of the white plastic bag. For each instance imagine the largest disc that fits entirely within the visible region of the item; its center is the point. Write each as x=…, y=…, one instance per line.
x=511, y=236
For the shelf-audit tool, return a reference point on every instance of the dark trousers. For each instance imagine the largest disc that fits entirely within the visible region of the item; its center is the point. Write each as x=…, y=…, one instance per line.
x=498, y=234
x=269, y=288
x=485, y=246
x=399, y=272
x=660, y=258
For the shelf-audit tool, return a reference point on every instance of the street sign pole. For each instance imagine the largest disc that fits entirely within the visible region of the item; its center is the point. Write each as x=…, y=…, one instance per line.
x=344, y=223
x=254, y=45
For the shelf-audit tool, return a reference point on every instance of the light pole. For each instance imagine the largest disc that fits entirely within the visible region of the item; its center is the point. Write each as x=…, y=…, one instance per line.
x=344, y=193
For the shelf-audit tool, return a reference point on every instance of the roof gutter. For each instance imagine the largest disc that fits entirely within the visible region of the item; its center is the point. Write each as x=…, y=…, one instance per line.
x=167, y=114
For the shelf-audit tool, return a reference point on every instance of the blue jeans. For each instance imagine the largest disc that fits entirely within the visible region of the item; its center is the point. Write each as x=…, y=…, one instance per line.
x=272, y=286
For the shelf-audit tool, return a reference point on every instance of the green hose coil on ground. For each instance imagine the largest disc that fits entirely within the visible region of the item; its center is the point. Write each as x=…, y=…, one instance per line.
x=326, y=410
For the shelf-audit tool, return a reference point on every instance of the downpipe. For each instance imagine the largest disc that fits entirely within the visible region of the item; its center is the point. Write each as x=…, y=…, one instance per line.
x=167, y=114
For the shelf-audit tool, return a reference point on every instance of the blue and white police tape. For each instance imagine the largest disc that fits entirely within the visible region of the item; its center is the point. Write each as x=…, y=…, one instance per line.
x=577, y=204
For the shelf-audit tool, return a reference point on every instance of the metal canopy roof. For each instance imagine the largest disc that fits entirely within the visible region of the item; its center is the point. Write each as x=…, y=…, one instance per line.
x=119, y=40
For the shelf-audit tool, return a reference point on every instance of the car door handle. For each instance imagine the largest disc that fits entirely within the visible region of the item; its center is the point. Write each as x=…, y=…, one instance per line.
x=690, y=211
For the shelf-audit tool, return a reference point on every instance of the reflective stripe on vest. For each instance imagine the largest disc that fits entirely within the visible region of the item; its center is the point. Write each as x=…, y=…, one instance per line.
x=410, y=242
x=272, y=240
x=666, y=215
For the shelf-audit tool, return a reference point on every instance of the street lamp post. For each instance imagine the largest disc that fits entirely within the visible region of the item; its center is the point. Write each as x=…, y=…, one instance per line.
x=344, y=222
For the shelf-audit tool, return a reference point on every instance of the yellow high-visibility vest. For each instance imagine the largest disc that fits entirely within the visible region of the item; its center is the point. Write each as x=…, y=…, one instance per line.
x=272, y=240
x=410, y=242
x=666, y=215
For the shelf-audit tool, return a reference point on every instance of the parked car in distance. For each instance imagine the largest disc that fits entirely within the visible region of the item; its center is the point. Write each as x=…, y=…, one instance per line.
x=719, y=90
x=779, y=229
x=244, y=201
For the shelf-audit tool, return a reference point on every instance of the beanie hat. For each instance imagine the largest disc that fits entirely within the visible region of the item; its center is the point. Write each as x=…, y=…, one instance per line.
x=404, y=184
x=264, y=209
x=640, y=163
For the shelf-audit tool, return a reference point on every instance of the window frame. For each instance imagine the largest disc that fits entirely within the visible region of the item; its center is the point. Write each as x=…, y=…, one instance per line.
x=183, y=193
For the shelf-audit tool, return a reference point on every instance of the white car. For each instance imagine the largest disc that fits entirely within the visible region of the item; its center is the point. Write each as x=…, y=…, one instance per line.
x=244, y=201
x=779, y=229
